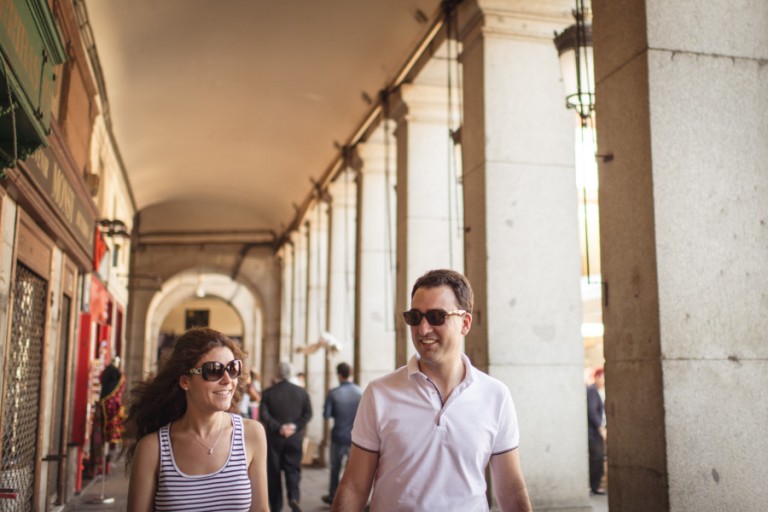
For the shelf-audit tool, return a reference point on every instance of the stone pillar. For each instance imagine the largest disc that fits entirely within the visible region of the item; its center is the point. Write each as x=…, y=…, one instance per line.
x=341, y=265
x=138, y=349
x=428, y=234
x=522, y=250
x=298, y=332
x=317, y=276
x=340, y=294
x=374, y=292
x=682, y=99
x=286, y=256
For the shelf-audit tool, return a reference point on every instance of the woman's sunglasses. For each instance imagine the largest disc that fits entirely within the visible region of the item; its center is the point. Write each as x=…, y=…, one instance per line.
x=434, y=316
x=214, y=370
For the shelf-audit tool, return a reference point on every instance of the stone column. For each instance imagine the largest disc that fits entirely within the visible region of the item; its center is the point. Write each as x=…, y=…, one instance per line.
x=682, y=99
x=374, y=300
x=138, y=349
x=341, y=266
x=285, y=255
x=428, y=234
x=340, y=296
x=298, y=332
x=317, y=276
x=522, y=250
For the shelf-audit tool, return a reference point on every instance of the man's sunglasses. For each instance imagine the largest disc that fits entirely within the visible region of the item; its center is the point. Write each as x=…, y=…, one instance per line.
x=214, y=370
x=434, y=316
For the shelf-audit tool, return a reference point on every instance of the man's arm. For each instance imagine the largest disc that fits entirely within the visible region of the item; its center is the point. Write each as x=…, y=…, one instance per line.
x=508, y=483
x=328, y=407
x=265, y=415
x=355, y=487
x=306, y=412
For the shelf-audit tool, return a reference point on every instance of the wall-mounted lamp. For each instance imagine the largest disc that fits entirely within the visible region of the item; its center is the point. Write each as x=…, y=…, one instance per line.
x=113, y=227
x=574, y=45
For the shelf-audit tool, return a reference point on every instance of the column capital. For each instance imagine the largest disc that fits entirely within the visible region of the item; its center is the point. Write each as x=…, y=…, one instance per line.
x=379, y=150
x=343, y=189
x=422, y=103
x=519, y=19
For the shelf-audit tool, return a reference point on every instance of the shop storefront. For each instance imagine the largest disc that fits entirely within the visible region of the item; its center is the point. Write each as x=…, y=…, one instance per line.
x=47, y=219
x=48, y=258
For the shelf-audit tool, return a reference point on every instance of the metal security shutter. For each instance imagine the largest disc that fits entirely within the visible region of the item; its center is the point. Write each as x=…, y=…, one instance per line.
x=21, y=403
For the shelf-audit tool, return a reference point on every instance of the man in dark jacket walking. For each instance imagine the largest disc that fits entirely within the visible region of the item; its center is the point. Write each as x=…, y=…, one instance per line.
x=285, y=410
x=341, y=405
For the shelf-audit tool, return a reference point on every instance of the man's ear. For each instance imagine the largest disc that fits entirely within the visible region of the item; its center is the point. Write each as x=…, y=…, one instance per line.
x=466, y=323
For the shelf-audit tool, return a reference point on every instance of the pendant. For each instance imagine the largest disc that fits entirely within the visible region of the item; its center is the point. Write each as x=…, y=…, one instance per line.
x=210, y=451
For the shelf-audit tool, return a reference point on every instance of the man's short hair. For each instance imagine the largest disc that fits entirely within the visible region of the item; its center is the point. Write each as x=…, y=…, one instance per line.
x=284, y=371
x=445, y=277
x=343, y=369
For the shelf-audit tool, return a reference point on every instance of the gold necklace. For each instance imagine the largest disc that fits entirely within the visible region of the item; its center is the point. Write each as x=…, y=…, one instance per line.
x=209, y=448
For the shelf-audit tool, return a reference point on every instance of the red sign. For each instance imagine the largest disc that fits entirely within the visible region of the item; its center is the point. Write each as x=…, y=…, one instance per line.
x=98, y=300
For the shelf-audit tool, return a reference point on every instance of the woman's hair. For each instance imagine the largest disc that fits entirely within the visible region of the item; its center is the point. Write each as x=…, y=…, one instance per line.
x=159, y=399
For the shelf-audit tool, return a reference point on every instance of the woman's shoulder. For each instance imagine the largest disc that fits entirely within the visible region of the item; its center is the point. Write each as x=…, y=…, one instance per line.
x=149, y=441
x=252, y=427
x=255, y=438
x=147, y=453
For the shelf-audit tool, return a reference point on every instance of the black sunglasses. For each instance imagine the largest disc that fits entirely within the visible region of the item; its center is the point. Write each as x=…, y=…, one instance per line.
x=214, y=370
x=434, y=316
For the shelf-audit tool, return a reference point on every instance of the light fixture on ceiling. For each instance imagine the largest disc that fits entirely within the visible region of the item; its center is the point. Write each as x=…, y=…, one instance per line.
x=574, y=45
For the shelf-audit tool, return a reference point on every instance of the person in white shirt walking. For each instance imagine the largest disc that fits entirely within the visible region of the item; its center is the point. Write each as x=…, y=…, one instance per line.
x=424, y=434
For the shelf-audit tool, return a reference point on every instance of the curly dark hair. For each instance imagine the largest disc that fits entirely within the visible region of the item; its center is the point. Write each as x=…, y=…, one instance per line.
x=445, y=277
x=159, y=399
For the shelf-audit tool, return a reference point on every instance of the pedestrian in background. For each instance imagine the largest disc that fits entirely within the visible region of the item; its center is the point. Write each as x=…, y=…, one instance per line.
x=285, y=410
x=341, y=405
x=596, y=432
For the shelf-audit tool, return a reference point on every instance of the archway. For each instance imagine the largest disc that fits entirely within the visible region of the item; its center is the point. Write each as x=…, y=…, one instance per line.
x=205, y=283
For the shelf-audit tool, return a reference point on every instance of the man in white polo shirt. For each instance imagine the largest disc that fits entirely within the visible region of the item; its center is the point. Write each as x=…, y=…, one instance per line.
x=424, y=434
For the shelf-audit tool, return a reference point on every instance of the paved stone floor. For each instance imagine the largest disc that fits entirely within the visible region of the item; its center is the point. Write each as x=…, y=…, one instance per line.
x=313, y=485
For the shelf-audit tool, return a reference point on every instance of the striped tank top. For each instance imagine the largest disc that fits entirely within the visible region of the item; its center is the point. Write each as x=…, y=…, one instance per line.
x=229, y=488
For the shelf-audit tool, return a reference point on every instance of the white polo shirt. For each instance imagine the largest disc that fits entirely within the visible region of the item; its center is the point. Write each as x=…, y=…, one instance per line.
x=433, y=456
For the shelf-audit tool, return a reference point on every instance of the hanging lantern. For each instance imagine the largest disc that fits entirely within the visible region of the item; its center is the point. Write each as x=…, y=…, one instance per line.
x=574, y=46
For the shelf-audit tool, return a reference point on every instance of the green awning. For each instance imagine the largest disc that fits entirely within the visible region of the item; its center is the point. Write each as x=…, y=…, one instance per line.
x=30, y=48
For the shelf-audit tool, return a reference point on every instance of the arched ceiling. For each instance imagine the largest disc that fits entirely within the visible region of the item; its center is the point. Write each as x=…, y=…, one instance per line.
x=223, y=110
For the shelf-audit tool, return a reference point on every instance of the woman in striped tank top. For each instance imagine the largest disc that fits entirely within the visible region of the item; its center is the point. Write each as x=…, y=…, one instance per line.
x=190, y=452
